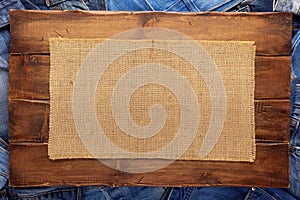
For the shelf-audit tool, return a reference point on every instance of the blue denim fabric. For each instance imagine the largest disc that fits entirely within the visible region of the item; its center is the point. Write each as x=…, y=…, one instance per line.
x=288, y=6
x=124, y=193
x=3, y=163
x=34, y=4
x=49, y=193
x=76, y=4
x=295, y=118
x=63, y=4
x=228, y=193
x=259, y=5
x=176, y=5
x=5, y=6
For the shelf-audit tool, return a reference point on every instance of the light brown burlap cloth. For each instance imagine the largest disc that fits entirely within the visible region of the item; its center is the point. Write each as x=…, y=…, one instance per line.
x=155, y=99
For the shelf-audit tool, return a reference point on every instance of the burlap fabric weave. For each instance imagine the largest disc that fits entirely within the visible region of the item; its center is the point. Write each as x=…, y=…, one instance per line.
x=127, y=110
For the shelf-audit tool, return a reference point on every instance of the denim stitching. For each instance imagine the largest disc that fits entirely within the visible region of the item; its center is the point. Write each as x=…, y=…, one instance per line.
x=5, y=175
x=78, y=194
x=295, y=43
x=2, y=141
x=149, y=5
x=84, y=4
x=246, y=8
x=2, y=149
x=170, y=194
x=188, y=193
x=105, y=193
x=249, y=194
x=293, y=135
x=187, y=5
x=196, y=7
x=105, y=5
x=268, y=194
x=173, y=5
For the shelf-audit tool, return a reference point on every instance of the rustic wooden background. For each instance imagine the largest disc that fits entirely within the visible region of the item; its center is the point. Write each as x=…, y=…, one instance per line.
x=29, y=97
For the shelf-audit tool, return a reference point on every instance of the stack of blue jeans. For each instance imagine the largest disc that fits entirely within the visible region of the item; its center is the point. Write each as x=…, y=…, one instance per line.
x=151, y=193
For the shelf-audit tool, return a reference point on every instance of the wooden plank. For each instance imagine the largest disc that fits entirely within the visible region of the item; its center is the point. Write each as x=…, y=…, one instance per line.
x=272, y=77
x=29, y=77
x=29, y=120
x=272, y=120
x=38, y=170
x=30, y=30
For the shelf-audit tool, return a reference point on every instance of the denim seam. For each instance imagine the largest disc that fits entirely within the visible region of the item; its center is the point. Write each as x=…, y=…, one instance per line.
x=105, y=193
x=5, y=175
x=295, y=43
x=1, y=140
x=148, y=4
x=267, y=193
x=170, y=194
x=43, y=193
x=105, y=4
x=78, y=194
x=246, y=7
x=173, y=5
x=188, y=193
x=249, y=194
x=195, y=6
x=4, y=150
x=188, y=5
x=84, y=4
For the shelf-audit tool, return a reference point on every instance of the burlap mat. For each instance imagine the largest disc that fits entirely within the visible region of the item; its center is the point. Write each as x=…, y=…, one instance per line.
x=206, y=97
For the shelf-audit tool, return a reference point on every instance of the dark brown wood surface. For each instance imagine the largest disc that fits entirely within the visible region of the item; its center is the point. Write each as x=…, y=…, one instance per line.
x=29, y=97
x=34, y=168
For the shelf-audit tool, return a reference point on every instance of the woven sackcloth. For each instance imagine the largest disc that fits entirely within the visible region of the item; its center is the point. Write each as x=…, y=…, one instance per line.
x=152, y=99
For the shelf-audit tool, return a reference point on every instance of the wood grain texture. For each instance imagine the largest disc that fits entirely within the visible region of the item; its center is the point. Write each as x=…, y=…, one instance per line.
x=38, y=170
x=29, y=121
x=29, y=77
x=30, y=30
